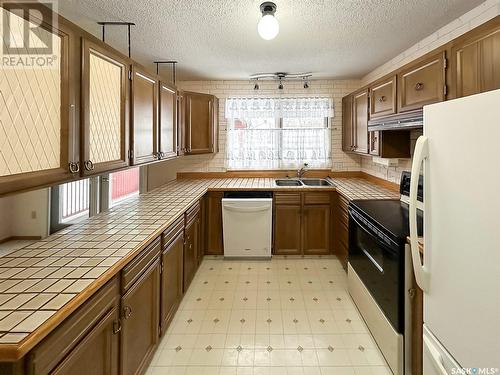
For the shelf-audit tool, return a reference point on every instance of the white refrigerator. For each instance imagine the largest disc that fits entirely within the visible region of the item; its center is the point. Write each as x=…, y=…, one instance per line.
x=460, y=274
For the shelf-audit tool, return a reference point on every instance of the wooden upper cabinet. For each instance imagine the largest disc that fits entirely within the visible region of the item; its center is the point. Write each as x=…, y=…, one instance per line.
x=383, y=98
x=144, y=116
x=200, y=123
x=475, y=61
x=347, y=124
x=422, y=83
x=167, y=129
x=181, y=123
x=104, y=108
x=360, y=121
x=39, y=108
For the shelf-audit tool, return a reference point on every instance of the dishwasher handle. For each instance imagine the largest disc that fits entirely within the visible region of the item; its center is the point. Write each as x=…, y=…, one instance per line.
x=236, y=208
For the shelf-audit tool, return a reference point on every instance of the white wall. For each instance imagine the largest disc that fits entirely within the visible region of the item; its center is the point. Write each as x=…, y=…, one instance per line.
x=25, y=214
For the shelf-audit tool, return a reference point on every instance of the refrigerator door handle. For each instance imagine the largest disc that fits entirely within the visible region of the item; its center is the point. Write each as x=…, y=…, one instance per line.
x=436, y=357
x=420, y=154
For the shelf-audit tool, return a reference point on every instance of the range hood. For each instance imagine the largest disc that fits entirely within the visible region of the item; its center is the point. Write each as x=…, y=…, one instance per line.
x=399, y=121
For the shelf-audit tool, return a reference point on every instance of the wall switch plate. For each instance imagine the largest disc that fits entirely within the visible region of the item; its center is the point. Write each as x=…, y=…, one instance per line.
x=33, y=214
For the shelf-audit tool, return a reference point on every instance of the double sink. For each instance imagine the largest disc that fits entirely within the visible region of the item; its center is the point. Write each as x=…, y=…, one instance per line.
x=311, y=182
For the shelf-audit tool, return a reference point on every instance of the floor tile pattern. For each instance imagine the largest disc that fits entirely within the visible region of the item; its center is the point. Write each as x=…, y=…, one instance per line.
x=40, y=278
x=284, y=316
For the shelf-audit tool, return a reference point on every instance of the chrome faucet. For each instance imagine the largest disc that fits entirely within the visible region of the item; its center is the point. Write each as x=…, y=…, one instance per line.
x=302, y=170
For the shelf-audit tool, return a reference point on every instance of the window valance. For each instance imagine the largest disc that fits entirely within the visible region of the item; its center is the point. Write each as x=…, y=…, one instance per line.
x=265, y=108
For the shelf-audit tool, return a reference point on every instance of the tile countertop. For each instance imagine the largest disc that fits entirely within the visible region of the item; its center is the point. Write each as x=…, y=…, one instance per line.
x=44, y=282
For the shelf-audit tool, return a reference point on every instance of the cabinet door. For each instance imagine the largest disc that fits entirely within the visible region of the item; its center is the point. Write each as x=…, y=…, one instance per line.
x=171, y=279
x=190, y=253
x=316, y=229
x=167, y=121
x=347, y=124
x=144, y=116
x=360, y=121
x=181, y=124
x=38, y=106
x=199, y=123
x=104, y=109
x=287, y=234
x=476, y=63
x=383, y=98
x=213, y=220
x=422, y=83
x=140, y=321
x=97, y=353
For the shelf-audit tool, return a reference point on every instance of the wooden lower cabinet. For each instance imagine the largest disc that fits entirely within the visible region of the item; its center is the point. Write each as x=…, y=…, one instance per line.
x=287, y=224
x=171, y=278
x=316, y=230
x=340, y=227
x=213, y=223
x=140, y=321
x=302, y=223
x=97, y=353
x=192, y=254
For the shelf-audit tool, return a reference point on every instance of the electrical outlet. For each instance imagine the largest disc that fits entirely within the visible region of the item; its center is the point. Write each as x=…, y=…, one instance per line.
x=33, y=214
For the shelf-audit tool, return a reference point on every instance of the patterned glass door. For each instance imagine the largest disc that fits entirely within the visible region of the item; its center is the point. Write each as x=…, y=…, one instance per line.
x=104, y=84
x=37, y=112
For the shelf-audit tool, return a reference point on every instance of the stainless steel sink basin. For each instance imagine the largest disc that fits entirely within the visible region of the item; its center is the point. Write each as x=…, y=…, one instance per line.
x=316, y=182
x=287, y=182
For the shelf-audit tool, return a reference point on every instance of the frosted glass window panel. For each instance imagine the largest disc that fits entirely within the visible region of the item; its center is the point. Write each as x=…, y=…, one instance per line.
x=104, y=110
x=30, y=110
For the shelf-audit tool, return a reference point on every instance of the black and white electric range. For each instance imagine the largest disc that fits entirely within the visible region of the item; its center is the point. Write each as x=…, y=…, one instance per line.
x=380, y=272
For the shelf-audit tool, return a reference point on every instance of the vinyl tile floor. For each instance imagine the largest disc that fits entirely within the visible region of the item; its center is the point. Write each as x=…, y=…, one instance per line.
x=286, y=316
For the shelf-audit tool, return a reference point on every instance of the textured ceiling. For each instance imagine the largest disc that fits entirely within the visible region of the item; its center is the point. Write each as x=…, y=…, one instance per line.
x=217, y=39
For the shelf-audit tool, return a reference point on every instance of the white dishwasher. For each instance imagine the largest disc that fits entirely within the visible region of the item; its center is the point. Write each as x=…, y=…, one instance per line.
x=247, y=218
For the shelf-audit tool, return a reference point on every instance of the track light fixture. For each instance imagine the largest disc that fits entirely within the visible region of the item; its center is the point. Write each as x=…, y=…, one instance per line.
x=306, y=85
x=280, y=86
x=256, y=86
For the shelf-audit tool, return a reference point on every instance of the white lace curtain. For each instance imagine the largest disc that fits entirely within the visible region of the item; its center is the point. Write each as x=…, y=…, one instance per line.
x=278, y=133
x=261, y=108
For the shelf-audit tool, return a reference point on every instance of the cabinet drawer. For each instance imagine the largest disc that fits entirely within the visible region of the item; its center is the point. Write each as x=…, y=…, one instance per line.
x=383, y=98
x=172, y=231
x=287, y=198
x=192, y=212
x=46, y=355
x=422, y=83
x=317, y=198
x=140, y=263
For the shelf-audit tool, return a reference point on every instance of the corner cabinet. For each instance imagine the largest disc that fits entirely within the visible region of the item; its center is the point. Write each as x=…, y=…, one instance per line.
x=105, y=120
x=360, y=121
x=167, y=122
x=39, y=110
x=200, y=123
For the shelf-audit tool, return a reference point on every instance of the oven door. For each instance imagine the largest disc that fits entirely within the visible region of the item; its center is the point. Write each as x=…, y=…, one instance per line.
x=378, y=262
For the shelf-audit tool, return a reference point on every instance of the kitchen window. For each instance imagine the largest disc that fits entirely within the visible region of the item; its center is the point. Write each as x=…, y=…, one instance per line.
x=278, y=133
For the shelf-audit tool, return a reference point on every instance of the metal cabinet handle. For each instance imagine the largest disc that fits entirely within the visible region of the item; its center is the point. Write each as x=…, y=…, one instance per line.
x=382, y=99
x=419, y=86
x=117, y=327
x=74, y=167
x=89, y=166
x=127, y=312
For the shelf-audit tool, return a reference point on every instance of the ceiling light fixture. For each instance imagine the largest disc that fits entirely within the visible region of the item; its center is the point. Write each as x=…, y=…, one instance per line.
x=268, y=26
